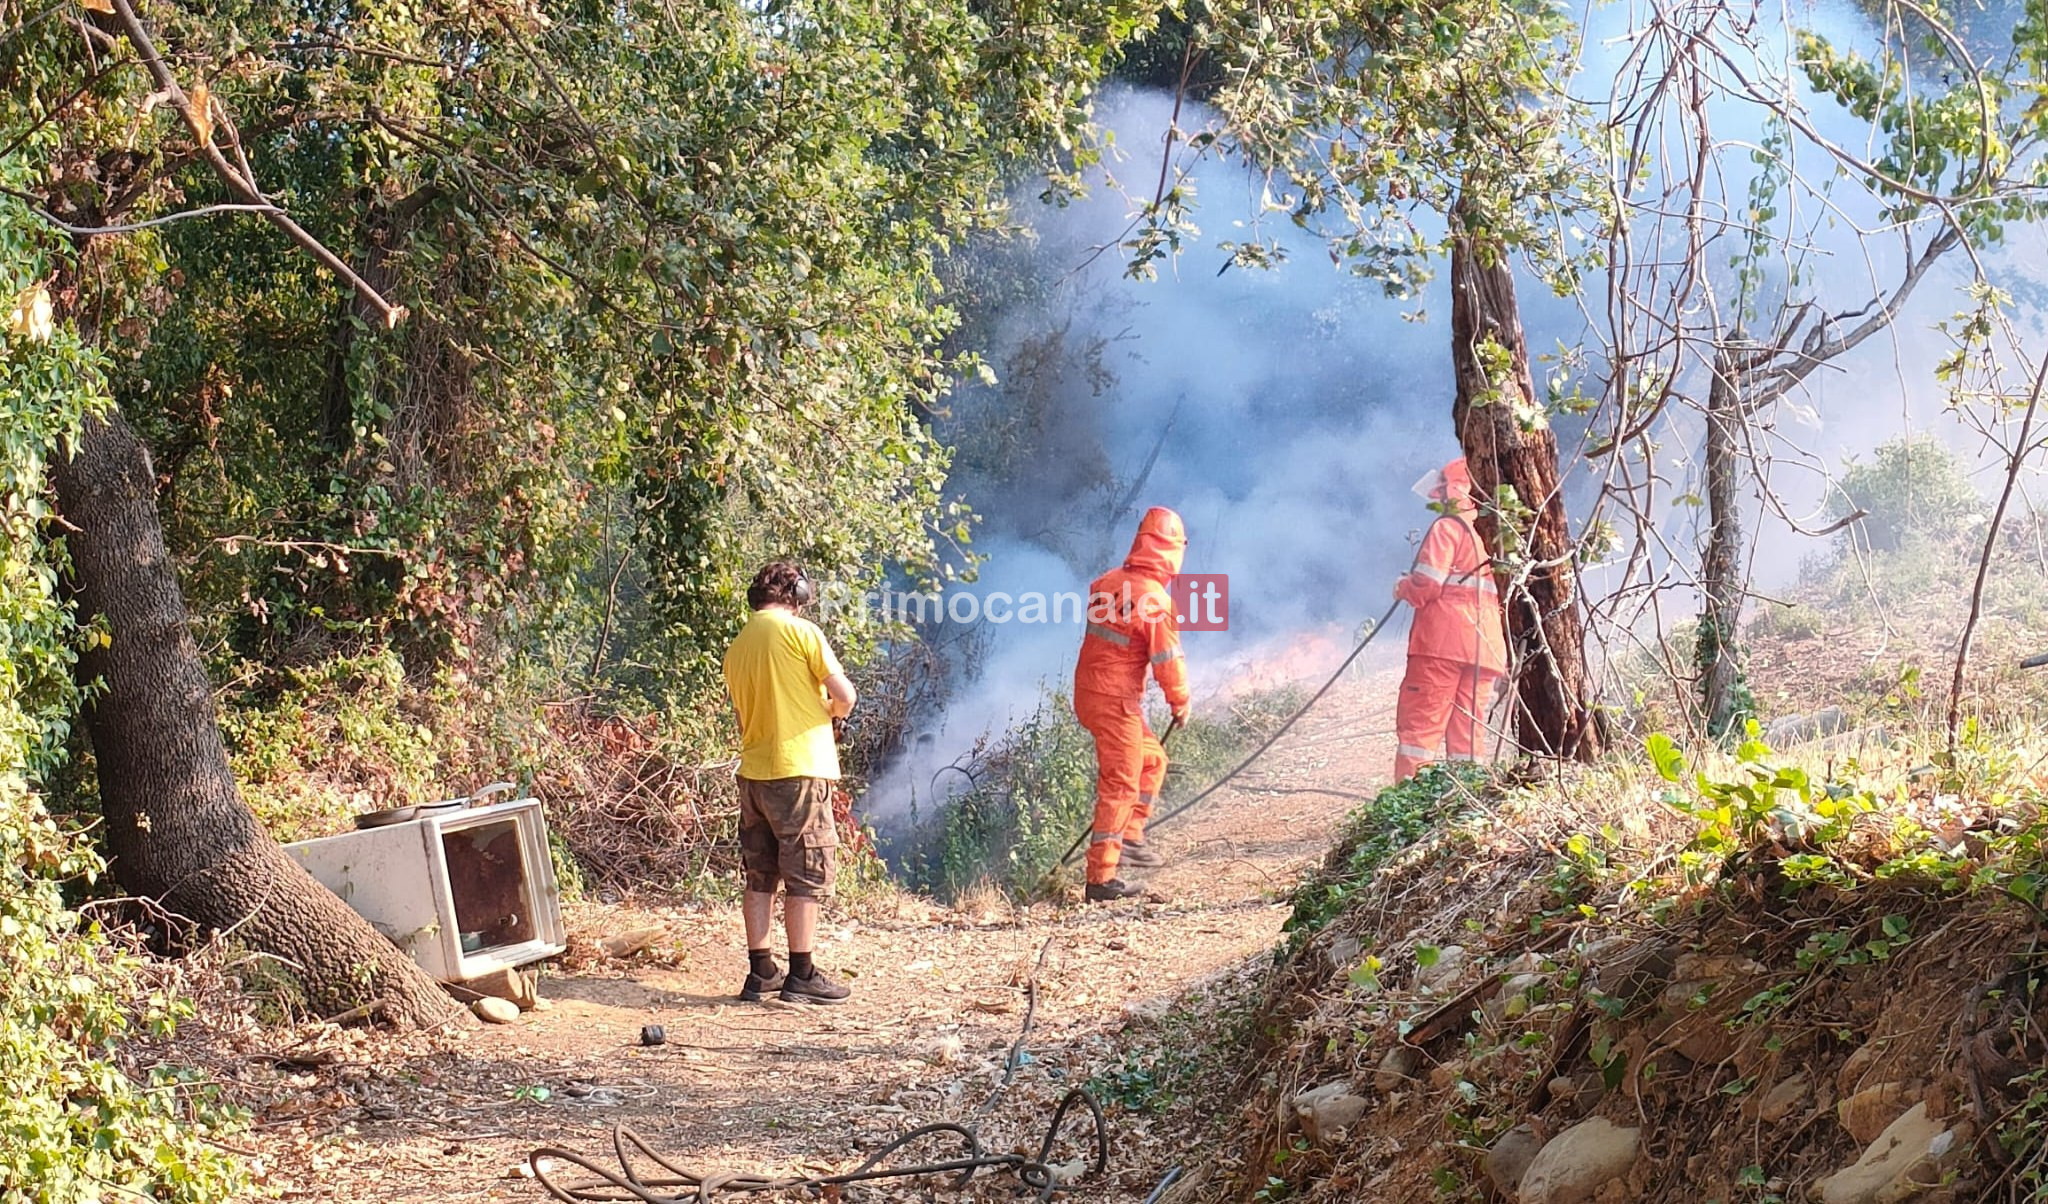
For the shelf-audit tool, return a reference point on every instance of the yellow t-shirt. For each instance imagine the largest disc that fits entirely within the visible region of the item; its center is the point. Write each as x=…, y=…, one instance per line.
x=776, y=671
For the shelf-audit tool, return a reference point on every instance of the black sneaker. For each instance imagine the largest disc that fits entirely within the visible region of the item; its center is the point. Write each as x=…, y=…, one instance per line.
x=758, y=988
x=815, y=989
x=1141, y=856
x=1111, y=891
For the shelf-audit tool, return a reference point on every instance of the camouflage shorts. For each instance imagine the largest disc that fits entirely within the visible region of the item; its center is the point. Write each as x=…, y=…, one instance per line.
x=787, y=835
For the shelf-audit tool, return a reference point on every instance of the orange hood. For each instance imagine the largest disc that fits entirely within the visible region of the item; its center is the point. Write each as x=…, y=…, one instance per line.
x=1161, y=539
x=1454, y=485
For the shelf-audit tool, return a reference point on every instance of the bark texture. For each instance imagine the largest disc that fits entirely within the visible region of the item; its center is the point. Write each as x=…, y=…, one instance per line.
x=1504, y=431
x=176, y=826
x=1719, y=655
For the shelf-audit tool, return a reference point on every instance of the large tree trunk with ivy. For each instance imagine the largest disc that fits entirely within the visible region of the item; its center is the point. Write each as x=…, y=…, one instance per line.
x=176, y=826
x=1724, y=699
x=1505, y=433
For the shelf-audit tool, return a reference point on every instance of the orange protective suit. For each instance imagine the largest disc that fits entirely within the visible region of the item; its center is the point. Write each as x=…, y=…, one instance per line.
x=1131, y=629
x=1456, y=652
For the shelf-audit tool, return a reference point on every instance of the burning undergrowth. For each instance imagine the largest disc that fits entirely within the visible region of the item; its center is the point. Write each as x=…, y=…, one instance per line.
x=1012, y=806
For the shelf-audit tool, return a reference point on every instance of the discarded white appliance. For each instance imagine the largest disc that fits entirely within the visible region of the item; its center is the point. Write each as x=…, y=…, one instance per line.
x=464, y=890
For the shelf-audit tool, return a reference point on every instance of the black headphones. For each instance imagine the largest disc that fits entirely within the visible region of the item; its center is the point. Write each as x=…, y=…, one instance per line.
x=803, y=595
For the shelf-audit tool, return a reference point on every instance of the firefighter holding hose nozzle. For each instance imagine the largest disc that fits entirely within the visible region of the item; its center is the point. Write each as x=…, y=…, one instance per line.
x=1131, y=629
x=1456, y=651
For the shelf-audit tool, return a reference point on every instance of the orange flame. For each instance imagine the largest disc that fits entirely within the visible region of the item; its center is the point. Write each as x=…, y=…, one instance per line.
x=1279, y=661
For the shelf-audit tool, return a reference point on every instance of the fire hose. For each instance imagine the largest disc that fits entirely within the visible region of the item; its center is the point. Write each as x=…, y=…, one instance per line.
x=1258, y=752
x=628, y=1183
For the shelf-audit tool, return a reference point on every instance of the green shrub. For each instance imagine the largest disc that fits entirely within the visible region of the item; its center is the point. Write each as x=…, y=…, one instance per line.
x=1912, y=484
x=1787, y=623
x=1032, y=790
x=73, y=1127
x=334, y=738
x=1761, y=801
x=1397, y=817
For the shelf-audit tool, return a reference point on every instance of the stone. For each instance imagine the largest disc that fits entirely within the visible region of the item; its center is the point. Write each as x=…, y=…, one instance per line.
x=1507, y=1159
x=495, y=1010
x=1860, y=739
x=518, y=985
x=1694, y=970
x=1574, y=1165
x=1870, y=1111
x=1850, y=1077
x=1783, y=1100
x=1705, y=1041
x=1629, y=969
x=1344, y=951
x=1789, y=730
x=1754, y=1059
x=1325, y=1112
x=1450, y=963
x=1587, y=1090
x=1397, y=1069
x=626, y=944
x=1693, y=1007
x=1515, y=997
x=1911, y=1156
x=1600, y=952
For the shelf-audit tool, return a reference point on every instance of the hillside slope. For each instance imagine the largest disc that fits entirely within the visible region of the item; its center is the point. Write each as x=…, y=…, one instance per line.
x=1705, y=975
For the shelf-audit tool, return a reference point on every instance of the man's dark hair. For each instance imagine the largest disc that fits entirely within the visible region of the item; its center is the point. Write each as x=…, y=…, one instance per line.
x=780, y=582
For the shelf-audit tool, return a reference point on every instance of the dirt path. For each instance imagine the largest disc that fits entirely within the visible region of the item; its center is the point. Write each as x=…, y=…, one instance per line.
x=940, y=999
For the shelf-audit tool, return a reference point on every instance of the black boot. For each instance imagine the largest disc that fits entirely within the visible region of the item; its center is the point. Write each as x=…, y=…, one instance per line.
x=1111, y=891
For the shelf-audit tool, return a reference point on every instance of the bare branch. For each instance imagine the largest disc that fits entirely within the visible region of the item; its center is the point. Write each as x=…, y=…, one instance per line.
x=131, y=227
x=2015, y=460
x=361, y=50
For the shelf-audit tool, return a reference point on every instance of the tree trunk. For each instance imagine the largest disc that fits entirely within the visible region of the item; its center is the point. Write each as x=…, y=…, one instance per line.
x=1507, y=439
x=1718, y=653
x=386, y=230
x=176, y=825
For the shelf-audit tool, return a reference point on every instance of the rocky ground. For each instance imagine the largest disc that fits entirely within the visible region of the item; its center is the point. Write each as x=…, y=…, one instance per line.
x=1537, y=1002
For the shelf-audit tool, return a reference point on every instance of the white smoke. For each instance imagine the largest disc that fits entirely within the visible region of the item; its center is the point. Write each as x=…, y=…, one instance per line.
x=1284, y=414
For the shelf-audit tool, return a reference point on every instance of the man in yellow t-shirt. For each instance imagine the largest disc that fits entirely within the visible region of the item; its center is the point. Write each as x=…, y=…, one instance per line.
x=787, y=688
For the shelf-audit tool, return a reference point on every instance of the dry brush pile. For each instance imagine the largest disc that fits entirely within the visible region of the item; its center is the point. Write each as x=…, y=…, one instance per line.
x=631, y=808
x=637, y=812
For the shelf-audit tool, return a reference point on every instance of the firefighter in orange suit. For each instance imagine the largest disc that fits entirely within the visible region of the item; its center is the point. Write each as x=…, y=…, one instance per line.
x=1456, y=653
x=1131, y=629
